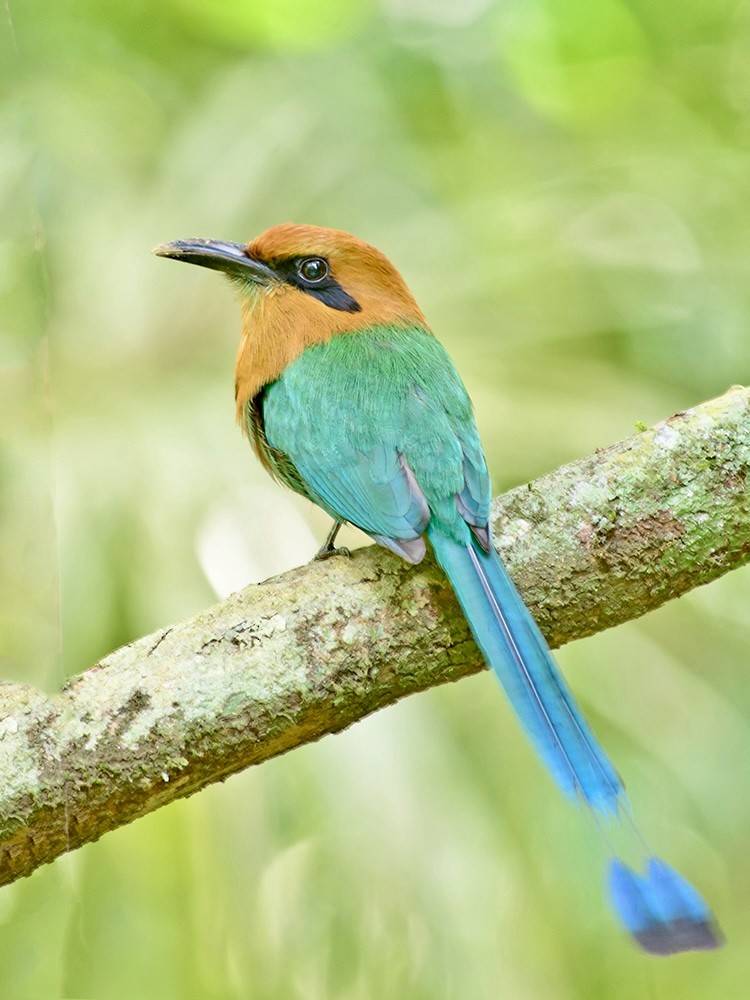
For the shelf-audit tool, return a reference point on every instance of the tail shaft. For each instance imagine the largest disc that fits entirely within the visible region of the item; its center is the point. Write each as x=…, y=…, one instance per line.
x=516, y=651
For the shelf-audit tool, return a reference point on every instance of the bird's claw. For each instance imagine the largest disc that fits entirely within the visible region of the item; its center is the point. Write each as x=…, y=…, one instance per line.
x=328, y=548
x=325, y=552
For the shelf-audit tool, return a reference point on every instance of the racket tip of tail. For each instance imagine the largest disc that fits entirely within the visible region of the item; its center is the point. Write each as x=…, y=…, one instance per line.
x=676, y=936
x=661, y=910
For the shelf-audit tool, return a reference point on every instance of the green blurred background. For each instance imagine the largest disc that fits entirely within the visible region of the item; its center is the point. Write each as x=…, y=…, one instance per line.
x=565, y=187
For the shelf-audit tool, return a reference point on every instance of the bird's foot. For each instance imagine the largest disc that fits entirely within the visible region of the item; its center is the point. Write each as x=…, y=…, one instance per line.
x=328, y=549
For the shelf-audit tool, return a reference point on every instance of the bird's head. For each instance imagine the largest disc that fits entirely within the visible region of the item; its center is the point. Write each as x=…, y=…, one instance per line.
x=300, y=286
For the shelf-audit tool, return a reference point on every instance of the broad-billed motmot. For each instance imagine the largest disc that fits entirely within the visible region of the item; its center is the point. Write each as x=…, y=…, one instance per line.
x=348, y=398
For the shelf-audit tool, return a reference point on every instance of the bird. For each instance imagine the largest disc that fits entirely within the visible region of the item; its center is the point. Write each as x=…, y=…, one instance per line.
x=348, y=398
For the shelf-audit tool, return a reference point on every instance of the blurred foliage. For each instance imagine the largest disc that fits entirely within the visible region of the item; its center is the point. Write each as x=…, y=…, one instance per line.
x=563, y=185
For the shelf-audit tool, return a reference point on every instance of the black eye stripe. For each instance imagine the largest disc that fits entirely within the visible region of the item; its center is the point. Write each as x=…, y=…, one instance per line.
x=325, y=289
x=334, y=296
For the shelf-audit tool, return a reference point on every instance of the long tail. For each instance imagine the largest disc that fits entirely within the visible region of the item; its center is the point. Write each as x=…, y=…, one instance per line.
x=660, y=909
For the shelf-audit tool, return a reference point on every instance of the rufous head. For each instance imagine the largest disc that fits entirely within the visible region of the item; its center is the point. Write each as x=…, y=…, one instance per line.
x=300, y=286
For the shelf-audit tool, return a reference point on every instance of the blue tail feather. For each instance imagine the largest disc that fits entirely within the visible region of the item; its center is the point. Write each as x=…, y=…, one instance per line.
x=662, y=911
x=520, y=658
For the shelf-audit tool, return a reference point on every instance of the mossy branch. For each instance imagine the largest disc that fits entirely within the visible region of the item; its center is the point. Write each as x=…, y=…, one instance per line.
x=593, y=544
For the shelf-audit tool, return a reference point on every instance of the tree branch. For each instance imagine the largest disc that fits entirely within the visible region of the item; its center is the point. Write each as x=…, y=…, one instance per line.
x=593, y=544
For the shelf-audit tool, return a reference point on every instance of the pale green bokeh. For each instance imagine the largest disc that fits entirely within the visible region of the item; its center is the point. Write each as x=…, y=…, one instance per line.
x=565, y=187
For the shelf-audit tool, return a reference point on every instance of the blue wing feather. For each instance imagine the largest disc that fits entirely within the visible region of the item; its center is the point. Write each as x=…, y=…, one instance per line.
x=374, y=490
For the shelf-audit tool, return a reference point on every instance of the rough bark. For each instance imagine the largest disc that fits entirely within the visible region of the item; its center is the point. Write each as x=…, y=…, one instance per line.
x=593, y=544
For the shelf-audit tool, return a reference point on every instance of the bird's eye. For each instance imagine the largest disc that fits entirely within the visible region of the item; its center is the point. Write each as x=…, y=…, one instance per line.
x=312, y=270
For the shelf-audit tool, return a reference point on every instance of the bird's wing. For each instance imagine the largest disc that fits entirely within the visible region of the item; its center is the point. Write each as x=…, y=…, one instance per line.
x=474, y=499
x=356, y=474
x=380, y=430
x=374, y=489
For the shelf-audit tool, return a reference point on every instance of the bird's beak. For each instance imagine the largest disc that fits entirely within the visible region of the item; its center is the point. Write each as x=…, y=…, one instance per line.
x=231, y=258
